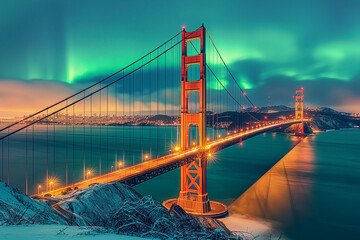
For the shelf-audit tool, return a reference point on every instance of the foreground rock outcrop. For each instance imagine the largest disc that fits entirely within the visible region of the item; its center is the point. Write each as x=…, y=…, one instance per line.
x=17, y=208
x=114, y=208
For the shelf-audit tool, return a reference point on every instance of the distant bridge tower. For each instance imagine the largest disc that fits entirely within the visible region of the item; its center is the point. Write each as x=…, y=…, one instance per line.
x=299, y=111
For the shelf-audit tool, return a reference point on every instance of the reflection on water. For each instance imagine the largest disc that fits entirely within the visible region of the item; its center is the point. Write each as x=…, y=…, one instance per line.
x=283, y=193
x=313, y=192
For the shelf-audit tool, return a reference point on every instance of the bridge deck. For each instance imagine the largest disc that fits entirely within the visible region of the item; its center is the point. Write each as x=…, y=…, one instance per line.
x=140, y=172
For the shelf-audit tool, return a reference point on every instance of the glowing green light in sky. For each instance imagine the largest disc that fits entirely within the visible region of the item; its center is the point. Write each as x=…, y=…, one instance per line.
x=245, y=83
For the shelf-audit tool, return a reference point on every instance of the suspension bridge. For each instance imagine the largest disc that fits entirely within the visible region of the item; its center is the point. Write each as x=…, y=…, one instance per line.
x=174, y=107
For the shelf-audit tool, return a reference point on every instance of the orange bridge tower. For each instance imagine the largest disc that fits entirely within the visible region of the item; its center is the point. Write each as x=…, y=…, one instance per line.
x=193, y=196
x=299, y=111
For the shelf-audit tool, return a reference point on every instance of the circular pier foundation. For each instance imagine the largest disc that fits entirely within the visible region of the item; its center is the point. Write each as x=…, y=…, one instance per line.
x=217, y=209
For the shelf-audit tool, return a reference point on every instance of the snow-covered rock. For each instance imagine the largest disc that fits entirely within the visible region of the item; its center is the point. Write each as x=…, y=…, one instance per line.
x=17, y=208
x=110, y=208
x=122, y=210
x=325, y=122
x=92, y=206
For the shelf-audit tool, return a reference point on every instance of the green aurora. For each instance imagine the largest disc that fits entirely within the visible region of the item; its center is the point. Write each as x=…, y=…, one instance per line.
x=264, y=43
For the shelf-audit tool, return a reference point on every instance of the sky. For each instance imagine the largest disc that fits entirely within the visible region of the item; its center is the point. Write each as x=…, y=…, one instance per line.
x=272, y=47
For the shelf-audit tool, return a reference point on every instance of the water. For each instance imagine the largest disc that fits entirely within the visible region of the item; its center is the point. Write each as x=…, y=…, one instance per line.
x=43, y=152
x=311, y=193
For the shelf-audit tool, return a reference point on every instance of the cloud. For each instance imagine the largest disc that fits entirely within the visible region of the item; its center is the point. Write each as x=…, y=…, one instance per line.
x=25, y=97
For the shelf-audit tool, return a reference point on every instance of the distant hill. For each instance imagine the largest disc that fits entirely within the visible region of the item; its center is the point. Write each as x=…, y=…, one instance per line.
x=278, y=108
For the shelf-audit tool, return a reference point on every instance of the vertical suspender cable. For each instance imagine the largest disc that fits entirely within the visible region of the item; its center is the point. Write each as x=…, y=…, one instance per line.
x=84, y=122
x=54, y=151
x=33, y=160
x=116, y=126
x=157, y=105
x=47, y=150
x=100, y=120
x=91, y=134
x=26, y=160
x=73, y=144
x=66, y=140
x=107, y=134
x=165, y=95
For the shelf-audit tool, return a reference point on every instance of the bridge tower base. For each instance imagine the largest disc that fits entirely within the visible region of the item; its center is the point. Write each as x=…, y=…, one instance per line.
x=193, y=197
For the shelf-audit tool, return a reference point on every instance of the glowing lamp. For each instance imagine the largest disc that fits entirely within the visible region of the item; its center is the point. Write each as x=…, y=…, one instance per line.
x=244, y=93
x=209, y=154
x=193, y=143
x=146, y=157
x=177, y=148
x=120, y=164
x=207, y=139
x=183, y=27
x=219, y=136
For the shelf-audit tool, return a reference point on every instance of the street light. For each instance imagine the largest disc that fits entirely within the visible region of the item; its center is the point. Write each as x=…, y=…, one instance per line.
x=120, y=164
x=146, y=157
x=88, y=173
x=39, y=186
x=51, y=183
